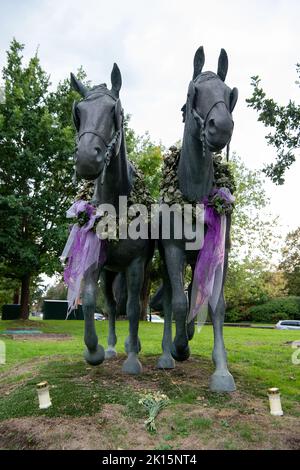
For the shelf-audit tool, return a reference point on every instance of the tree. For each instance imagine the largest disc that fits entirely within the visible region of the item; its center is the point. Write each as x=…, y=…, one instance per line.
x=249, y=282
x=251, y=272
x=253, y=231
x=146, y=155
x=8, y=292
x=36, y=146
x=290, y=264
x=284, y=122
x=57, y=292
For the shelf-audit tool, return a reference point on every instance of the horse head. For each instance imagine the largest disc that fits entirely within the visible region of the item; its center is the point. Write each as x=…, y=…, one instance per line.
x=210, y=102
x=98, y=118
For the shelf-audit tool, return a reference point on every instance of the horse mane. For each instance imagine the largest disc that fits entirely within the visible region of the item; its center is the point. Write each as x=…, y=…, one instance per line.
x=204, y=76
x=99, y=90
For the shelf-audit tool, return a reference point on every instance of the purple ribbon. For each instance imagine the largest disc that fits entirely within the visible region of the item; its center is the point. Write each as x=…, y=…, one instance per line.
x=208, y=274
x=84, y=250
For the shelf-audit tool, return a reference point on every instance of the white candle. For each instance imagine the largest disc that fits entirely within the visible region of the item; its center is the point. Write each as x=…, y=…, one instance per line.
x=43, y=394
x=275, y=402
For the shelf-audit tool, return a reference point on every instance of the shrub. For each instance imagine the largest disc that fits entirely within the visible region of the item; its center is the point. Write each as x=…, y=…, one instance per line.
x=285, y=308
x=236, y=315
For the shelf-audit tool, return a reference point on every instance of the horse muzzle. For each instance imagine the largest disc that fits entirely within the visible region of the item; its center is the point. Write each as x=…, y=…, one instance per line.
x=218, y=138
x=216, y=147
x=89, y=166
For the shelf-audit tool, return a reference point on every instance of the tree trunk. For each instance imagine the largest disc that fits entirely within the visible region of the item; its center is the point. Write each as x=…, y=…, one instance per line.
x=25, y=297
x=16, y=296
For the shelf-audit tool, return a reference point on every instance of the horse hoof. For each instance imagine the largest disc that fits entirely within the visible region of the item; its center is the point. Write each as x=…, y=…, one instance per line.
x=132, y=366
x=110, y=353
x=222, y=382
x=181, y=354
x=127, y=345
x=94, y=358
x=165, y=361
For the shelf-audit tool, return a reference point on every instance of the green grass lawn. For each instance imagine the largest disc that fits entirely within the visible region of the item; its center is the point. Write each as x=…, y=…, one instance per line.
x=262, y=357
x=258, y=359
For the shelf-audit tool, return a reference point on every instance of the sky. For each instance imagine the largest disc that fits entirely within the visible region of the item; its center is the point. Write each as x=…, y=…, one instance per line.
x=154, y=42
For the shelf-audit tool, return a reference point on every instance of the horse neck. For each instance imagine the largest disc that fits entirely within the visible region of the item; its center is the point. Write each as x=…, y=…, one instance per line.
x=195, y=168
x=117, y=181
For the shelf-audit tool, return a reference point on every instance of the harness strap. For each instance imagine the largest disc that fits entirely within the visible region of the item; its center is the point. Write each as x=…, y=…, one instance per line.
x=212, y=107
x=93, y=131
x=116, y=139
x=203, y=121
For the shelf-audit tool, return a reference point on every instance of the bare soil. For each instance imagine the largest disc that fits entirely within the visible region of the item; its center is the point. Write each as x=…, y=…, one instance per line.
x=241, y=422
x=111, y=429
x=39, y=336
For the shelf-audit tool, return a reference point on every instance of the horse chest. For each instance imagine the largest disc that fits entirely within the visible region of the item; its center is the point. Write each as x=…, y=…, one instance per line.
x=121, y=253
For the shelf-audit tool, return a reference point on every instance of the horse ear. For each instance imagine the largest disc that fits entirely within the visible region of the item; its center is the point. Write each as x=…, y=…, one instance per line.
x=78, y=86
x=183, y=110
x=223, y=65
x=118, y=124
x=118, y=115
x=199, y=60
x=75, y=116
x=233, y=98
x=191, y=95
x=116, y=79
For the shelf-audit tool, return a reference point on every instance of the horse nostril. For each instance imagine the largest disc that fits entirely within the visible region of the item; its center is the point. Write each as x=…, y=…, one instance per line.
x=211, y=124
x=98, y=154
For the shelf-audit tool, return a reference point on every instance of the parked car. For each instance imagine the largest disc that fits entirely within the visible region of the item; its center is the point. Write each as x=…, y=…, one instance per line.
x=99, y=316
x=154, y=318
x=288, y=325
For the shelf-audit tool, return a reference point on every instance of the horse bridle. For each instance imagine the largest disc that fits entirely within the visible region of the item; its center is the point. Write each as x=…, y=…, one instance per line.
x=116, y=139
x=202, y=123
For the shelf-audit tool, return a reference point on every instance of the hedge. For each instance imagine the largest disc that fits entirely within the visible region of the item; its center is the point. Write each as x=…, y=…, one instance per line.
x=284, y=308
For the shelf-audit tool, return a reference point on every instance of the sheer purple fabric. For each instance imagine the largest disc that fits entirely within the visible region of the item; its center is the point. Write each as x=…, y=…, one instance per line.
x=84, y=251
x=208, y=275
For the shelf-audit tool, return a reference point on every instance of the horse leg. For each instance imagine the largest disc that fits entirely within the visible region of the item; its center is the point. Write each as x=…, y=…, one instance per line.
x=134, y=279
x=126, y=345
x=108, y=279
x=174, y=259
x=191, y=324
x=120, y=294
x=221, y=380
x=166, y=360
x=94, y=354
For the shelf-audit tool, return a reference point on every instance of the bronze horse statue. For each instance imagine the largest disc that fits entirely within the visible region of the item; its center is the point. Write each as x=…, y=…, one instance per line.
x=101, y=156
x=208, y=128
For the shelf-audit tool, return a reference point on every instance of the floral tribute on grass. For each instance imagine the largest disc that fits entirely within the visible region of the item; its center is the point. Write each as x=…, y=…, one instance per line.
x=154, y=403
